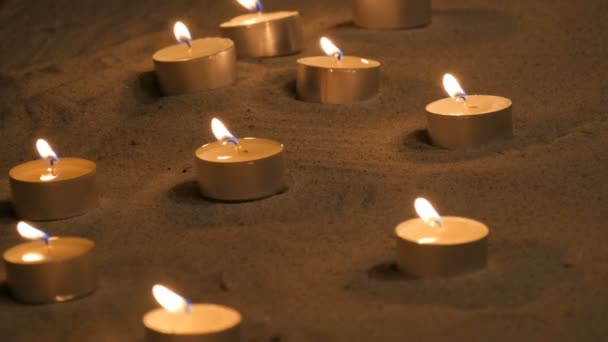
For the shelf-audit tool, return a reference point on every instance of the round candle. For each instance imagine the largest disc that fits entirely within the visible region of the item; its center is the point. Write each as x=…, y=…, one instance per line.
x=195, y=65
x=337, y=79
x=263, y=34
x=180, y=321
x=53, y=188
x=440, y=246
x=464, y=121
x=57, y=269
x=239, y=169
x=391, y=14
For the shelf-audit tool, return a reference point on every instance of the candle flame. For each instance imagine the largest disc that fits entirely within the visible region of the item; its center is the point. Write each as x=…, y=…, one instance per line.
x=427, y=240
x=181, y=33
x=330, y=48
x=427, y=213
x=45, y=150
x=32, y=257
x=221, y=133
x=170, y=300
x=252, y=5
x=453, y=88
x=29, y=232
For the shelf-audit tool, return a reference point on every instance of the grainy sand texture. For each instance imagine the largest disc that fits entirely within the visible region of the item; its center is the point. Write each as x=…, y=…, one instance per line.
x=316, y=263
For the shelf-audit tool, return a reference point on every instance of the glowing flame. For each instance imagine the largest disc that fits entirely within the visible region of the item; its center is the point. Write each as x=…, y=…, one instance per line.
x=169, y=300
x=221, y=132
x=32, y=257
x=181, y=33
x=330, y=48
x=427, y=213
x=252, y=5
x=45, y=150
x=427, y=240
x=452, y=87
x=30, y=232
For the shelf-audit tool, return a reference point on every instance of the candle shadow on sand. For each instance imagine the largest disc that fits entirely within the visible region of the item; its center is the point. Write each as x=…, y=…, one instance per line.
x=416, y=145
x=510, y=279
x=146, y=89
x=7, y=215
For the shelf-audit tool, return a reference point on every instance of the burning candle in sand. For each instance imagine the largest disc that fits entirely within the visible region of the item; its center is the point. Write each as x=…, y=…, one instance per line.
x=464, y=121
x=49, y=269
x=264, y=34
x=194, y=65
x=391, y=14
x=336, y=78
x=432, y=245
x=234, y=169
x=53, y=188
x=180, y=320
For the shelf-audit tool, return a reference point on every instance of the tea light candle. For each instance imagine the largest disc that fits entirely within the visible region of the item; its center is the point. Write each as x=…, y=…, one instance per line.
x=440, y=246
x=50, y=269
x=263, y=34
x=464, y=121
x=179, y=320
x=335, y=78
x=234, y=169
x=391, y=14
x=194, y=65
x=53, y=188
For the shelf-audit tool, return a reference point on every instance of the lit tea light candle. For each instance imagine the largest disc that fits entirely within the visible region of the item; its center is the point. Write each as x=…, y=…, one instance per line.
x=391, y=14
x=53, y=188
x=464, y=121
x=180, y=320
x=261, y=34
x=440, y=246
x=336, y=78
x=194, y=65
x=233, y=169
x=49, y=269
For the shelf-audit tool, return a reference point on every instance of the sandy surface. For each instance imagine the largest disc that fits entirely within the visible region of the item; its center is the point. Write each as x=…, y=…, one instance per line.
x=315, y=263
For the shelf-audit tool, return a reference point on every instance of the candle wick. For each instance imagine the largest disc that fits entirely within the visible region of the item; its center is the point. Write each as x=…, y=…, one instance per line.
x=339, y=55
x=188, y=307
x=258, y=7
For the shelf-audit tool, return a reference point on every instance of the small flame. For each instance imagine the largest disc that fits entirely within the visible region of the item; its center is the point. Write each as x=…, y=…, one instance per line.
x=331, y=49
x=221, y=132
x=32, y=257
x=252, y=5
x=453, y=88
x=427, y=213
x=30, y=232
x=170, y=300
x=181, y=33
x=45, y=150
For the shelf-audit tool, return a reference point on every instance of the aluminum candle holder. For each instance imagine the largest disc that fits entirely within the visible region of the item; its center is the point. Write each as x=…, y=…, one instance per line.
x=391, y=14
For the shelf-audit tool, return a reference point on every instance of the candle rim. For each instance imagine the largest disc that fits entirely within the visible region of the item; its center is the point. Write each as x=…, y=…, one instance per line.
x=506, y=103
x=340, y=65
x=160, y=55
x=87, y=166
x=243, y=142
x=482, y=230
x=234, y=314
x=13, y=255
x=281, y=15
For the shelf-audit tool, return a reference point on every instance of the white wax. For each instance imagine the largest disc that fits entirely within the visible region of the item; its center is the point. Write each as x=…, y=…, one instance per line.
x=64, y=169
x=331, y=62
x=260, y=17
x=203, y=47
x=249, y=149
x=454, y=231
x=474, y=105
x=60, y=249
x=202, y=319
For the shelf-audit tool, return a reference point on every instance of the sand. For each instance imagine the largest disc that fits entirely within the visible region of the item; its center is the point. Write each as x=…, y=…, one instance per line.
x=316, y=263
